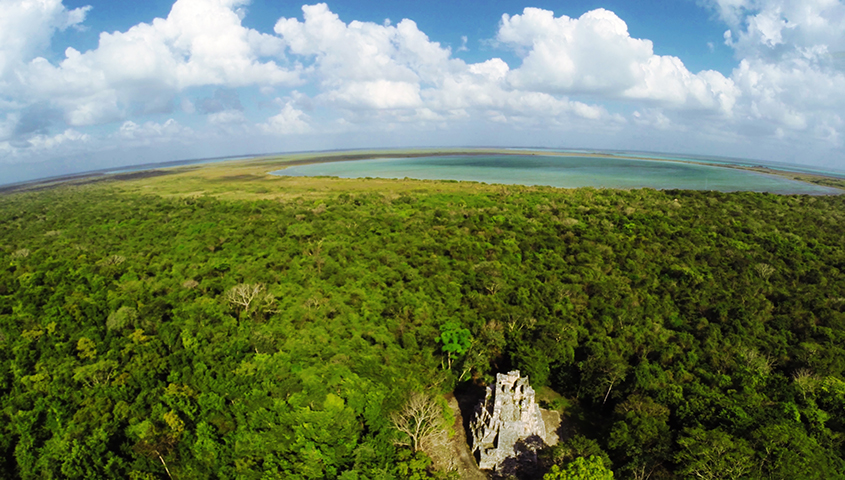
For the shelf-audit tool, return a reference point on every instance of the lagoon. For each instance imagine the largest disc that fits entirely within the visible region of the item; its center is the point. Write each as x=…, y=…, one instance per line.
x=569, y=171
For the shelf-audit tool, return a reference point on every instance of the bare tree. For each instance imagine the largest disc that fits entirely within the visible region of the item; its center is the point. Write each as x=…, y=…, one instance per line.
x=112, y=260
x=420, y=419
x=243, y=294
x=806, y=381
x=764, y=270
x=757, y=362
x=643, y=472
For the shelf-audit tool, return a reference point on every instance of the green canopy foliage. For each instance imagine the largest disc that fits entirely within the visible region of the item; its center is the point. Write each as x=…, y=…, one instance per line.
x=693, y=334
x=589, y=468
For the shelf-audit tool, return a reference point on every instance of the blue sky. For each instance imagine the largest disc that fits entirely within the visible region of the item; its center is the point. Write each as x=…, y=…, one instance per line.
x=96, y=84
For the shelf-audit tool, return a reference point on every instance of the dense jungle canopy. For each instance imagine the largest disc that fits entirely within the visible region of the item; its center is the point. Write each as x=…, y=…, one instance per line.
x=689, y=334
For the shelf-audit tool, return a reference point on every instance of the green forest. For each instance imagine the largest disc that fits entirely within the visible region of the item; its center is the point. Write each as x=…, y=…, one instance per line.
x=688, y=334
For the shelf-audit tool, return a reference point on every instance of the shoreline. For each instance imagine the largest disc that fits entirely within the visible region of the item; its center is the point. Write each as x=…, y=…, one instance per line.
x=282, y=161
x=815, y=179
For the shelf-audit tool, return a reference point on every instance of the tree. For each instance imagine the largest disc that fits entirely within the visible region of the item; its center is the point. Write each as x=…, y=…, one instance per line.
x=455, y=339
x=641, y=433
x=420, y=420
x=713, y=454
x=243, y=294
x=605, y=367
x=590, y=468
x=122, y=318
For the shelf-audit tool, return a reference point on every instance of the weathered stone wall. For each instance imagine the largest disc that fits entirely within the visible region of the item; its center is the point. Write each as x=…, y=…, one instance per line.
x=507, y=415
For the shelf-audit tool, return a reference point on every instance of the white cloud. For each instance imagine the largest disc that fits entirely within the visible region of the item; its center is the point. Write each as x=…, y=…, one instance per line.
x=227, y=117
x=26, y=27
x=361, y=50
x=377, y=94
x=654, y=118
x=772, y=28
x=494, y=69
x=42, y=143
x=595, y=55
x=363, y=63
x=792, y=87
x=383, y=73
x=796, y=95
x=153, y=131
x=289, y=121
x=201, y=42
x=591, y=54
x=463, y=47
x=486, y=91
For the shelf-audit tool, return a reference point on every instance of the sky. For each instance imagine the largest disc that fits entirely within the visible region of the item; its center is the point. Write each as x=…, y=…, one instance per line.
x=98, y=84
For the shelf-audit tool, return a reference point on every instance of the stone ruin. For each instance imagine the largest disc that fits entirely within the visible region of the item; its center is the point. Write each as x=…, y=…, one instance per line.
x=506, y=416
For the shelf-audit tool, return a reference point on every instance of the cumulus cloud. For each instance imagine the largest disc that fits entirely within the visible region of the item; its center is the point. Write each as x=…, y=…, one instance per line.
x=289, y=121
x=483, y=88
x=595, y=55
x=654, y=118
x=376, y=94
x=792, y=84
x=26, y=27
x=364, y=64
x=386, y=72
x=47, y=142
x=795, y=96
x=201, y=42
x=771, y=28
x=69, y=140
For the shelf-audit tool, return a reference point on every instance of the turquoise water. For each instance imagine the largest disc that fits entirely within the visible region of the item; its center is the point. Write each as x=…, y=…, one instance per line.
x=780, y=166
x=564, y=172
